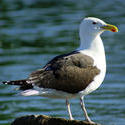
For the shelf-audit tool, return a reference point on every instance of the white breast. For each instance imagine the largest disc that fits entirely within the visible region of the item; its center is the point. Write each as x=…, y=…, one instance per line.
x=98, y=54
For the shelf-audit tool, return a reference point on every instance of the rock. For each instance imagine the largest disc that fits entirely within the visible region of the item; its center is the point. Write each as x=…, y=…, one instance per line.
x=47, y=120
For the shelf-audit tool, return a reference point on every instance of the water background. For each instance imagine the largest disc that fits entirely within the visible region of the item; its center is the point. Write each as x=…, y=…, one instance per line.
x=34, y=31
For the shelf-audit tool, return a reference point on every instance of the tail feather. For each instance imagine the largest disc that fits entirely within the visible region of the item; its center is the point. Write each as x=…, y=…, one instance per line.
x=22, y=83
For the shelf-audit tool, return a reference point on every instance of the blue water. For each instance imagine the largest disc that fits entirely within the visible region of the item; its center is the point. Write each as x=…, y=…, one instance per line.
x=33, y=32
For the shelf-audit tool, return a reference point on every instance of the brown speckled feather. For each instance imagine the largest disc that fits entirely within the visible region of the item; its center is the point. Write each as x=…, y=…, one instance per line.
x=71, y=73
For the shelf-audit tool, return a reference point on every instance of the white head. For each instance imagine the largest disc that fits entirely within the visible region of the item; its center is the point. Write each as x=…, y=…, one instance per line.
x=92, y=26
x=90, y=30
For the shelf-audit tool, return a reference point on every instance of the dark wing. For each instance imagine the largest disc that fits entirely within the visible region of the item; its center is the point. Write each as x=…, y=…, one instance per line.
x=71, y=73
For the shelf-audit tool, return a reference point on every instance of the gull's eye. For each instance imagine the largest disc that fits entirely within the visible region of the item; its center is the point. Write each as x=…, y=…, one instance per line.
x=94, y=23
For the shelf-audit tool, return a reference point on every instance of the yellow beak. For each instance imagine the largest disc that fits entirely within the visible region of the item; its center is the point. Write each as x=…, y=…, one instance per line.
x=110, y=28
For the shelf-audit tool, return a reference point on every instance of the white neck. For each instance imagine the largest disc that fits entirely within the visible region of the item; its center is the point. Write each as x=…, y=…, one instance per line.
x=92, y=43
x=93, y=47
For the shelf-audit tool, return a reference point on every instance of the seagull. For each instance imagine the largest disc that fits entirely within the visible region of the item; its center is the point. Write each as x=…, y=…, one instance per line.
x=75, y=74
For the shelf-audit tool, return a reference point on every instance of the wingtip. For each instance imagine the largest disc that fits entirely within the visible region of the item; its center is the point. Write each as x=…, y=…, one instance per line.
x=5, y=82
